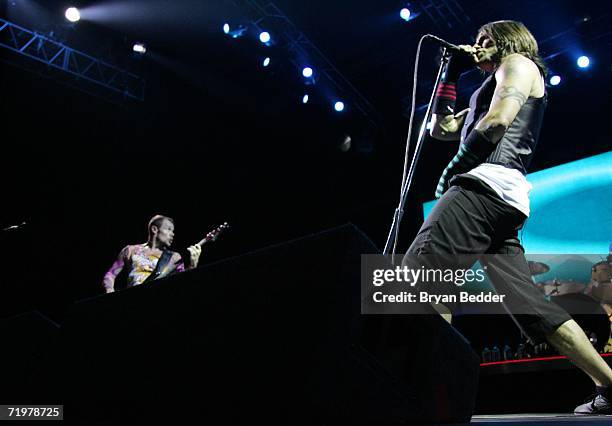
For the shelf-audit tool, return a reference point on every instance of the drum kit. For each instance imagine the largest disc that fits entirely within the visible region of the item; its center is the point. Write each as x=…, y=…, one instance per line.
x=589, y=304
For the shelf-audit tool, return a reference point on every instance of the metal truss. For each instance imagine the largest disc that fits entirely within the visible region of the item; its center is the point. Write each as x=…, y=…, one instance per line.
x=83, y=70
x=447, y=12
x=298, y=46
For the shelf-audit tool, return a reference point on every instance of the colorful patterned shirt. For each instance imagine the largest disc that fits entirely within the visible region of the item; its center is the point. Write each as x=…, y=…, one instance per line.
x=141, y=261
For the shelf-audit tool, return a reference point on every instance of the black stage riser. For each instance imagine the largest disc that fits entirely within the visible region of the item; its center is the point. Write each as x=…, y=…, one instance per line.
x=274, y=334
x=28, y=340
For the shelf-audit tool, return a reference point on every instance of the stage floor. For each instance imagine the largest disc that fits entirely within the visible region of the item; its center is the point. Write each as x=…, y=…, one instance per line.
x=539, y=419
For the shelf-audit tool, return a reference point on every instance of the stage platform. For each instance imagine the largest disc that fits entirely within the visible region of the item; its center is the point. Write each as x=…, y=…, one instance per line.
x=540, y=419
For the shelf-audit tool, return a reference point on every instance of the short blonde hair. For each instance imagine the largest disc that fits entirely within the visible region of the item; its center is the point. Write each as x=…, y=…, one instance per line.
x=157, y=220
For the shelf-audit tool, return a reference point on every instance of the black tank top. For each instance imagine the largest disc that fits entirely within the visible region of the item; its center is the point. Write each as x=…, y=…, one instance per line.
x=515, y=149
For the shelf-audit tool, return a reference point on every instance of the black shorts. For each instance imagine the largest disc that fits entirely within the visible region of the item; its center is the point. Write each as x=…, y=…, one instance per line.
x=470, y=220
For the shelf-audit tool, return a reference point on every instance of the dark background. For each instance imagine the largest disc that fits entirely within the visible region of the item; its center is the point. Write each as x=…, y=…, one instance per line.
x=218, y=138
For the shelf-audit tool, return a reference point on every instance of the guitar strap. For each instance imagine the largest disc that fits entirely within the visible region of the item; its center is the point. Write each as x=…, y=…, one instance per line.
x=161, y=268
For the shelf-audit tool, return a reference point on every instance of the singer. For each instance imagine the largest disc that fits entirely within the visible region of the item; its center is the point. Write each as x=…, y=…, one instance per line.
x=144, y=259
x=484, y=195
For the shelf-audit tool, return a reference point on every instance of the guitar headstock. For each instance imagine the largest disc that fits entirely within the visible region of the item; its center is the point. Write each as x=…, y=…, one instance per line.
x=214, y=234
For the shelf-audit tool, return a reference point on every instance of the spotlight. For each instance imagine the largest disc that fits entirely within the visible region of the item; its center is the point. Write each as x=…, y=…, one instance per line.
x=72, y=14
x=226, y=28
x=305, y=99
x=339, y=106
x=139, y=48
x=583, y=61
x=555, y=80
x=307, y=72
x=266, y=62
x=405, y=14
x=346, y=143
x=264, y=37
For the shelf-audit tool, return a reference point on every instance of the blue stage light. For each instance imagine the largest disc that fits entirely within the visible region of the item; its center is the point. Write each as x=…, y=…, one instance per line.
x=266, y=62
x=339, y=106
x=555, y=80
x=139, y=48
x=305, y=99
x=405, y=14
x=583, y=61
x=264, y=37
x=72, y=14
x=226, y=28
x=307, y=72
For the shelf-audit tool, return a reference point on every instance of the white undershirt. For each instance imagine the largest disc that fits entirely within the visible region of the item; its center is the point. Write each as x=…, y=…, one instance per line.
x=510, y=184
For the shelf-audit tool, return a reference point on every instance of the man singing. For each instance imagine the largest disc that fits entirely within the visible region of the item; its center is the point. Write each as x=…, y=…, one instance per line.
x=142, y=259
x=484, y=195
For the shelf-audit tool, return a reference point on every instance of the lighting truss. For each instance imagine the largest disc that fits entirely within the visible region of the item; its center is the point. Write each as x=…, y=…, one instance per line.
x=85, y=71
x=448, y=12
x=286, y=34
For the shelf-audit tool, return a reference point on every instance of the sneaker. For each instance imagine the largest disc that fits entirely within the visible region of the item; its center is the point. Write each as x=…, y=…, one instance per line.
x=597, y=404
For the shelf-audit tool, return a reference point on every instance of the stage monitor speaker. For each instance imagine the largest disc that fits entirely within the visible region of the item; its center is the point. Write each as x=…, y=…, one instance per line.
x=275, y=334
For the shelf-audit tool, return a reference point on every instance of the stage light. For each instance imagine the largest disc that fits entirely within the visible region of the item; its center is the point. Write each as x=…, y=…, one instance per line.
x=583, y=61
x=555, y=80
x=405, y=14
x=339, y=106
x=139, y=48
x=72, y=14
x=264, y=37
x=266, y=62
x=226, y=28
x=305, y=99
x=307, y=72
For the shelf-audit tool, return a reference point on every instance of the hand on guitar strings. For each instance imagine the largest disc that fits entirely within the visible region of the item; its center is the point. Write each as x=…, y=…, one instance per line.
x=194, y=254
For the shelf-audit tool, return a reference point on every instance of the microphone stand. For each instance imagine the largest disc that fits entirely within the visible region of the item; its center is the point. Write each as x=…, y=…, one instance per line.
x=392, y=238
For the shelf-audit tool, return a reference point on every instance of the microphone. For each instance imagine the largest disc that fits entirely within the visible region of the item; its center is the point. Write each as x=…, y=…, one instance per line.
x=13, y=227
x=449, y=46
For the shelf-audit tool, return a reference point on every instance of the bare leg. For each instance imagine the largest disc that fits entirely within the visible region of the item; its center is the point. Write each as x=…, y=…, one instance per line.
x=570, y=340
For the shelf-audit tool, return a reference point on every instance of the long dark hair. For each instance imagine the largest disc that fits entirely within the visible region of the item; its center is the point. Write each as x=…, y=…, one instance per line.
x=514, y=37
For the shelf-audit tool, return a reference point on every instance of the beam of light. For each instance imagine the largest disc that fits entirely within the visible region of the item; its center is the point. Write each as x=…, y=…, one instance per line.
x=405, y=14
x=555, y=80
x=305, y=99
x=583, y=61
x=266, y=61
x=72, y=14
x=307, y=72
x=264, y=37
x=339, y=106
x=157, y=19
x=226, y=28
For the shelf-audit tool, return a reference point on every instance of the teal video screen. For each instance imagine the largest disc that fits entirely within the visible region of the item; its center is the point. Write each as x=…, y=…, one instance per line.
x=571, y=208
x=570, y=224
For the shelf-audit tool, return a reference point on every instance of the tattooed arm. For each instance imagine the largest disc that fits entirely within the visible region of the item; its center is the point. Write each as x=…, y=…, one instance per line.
x=515, y=79
x=111, y=275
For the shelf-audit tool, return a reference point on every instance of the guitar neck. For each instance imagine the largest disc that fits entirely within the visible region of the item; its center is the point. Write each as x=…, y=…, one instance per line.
x=202, y=242
x=212, y=236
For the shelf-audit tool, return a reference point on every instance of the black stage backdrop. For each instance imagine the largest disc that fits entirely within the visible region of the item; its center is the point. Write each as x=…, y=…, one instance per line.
x=213, y=142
